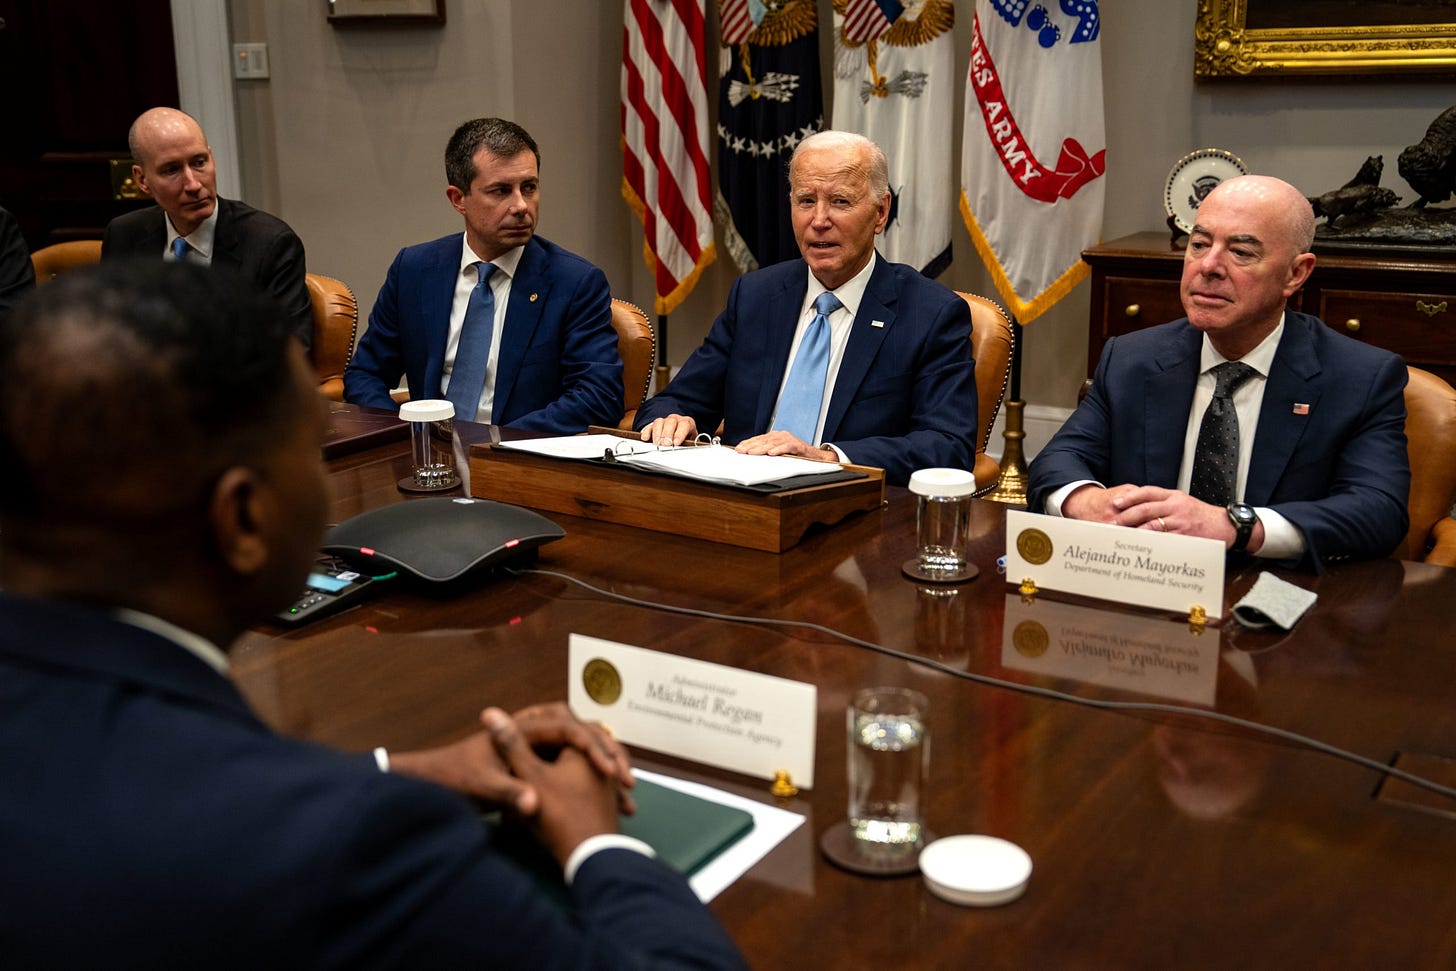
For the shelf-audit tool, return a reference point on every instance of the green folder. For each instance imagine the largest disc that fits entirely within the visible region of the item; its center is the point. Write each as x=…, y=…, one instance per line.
x=685, y=831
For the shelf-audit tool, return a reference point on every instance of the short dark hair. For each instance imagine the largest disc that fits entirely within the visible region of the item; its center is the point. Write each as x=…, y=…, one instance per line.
x=136, y=368
x=502, y=138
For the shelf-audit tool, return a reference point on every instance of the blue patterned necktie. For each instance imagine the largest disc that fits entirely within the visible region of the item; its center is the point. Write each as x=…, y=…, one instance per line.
x=803, y=393
x=180, y=247
x=467, y=377
x=1216, y=456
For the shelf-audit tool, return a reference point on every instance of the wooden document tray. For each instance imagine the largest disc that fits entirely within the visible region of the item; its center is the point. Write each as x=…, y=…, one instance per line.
x=618, y=494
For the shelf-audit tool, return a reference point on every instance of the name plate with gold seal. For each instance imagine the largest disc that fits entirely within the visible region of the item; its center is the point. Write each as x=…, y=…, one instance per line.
x=1138, y=567
x=752, y=723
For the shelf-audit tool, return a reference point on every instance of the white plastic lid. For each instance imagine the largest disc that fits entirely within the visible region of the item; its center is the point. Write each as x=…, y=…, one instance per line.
x=942, y=482
x=975, y=871
x=428, y=410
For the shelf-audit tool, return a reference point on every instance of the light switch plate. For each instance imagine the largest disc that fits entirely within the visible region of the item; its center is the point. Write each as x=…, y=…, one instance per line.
x=250, y=61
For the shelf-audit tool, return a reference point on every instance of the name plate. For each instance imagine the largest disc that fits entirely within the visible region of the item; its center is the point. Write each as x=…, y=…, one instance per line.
x=1138, y=567
x=1128, y=652
x=751, y=723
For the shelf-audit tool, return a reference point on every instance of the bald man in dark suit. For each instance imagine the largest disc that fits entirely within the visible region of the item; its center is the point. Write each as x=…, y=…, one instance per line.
x=172, y=163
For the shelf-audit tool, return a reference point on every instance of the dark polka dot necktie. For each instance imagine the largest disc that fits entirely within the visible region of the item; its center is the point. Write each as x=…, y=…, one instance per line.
x=1216, y=460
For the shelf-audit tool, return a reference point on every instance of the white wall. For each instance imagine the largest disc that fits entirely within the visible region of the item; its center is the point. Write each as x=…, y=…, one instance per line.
x=345, y=140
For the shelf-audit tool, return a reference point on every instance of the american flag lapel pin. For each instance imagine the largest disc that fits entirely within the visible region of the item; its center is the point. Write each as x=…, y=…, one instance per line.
x=877, y=323
x=1300, y=408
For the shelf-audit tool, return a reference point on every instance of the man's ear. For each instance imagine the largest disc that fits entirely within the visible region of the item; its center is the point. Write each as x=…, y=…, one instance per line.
x=456, y=197
x=140, y=179
x=238, y=514
x=882, y=213
x=1299, y=271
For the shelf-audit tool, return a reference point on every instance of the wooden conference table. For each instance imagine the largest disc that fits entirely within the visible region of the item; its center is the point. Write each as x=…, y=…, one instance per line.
x=1158, y=840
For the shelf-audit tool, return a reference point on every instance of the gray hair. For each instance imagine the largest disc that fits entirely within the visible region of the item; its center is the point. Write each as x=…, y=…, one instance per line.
x=879, y=165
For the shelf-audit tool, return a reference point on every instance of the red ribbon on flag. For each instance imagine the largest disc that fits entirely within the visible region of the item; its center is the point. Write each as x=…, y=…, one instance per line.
x=1074, y=168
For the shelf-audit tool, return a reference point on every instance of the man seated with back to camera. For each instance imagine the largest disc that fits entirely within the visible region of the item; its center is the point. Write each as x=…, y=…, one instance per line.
x=839, y=356
x=1313, y=466
x=160, y=432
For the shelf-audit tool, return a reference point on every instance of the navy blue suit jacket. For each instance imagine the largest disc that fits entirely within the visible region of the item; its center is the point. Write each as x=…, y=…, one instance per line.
x=253, y=244
x=17, y=276
x=905, y=395
x=1340, y=472
x=151, y=820
x=558, y=370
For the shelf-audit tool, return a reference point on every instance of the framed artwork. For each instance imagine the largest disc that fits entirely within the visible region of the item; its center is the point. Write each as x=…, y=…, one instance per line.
x=1253, y=38
x=350, y=12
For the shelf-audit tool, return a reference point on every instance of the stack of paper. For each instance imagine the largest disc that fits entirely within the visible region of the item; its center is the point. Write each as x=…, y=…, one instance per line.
x=708, y=463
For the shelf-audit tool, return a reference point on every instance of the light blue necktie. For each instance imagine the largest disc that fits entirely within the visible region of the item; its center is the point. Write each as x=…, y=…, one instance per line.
x=467, y=377
x=180, y=247
x=803, y=393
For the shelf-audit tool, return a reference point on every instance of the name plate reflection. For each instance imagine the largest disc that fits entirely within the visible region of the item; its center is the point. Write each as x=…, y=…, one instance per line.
x=1129, y=652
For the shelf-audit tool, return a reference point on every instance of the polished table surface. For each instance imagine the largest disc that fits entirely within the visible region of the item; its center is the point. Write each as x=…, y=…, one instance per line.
x=1158, y=839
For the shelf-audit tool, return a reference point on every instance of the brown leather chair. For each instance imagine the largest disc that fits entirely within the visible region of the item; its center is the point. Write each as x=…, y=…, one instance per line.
x=1430, y=429
x=991, y=342
x=50, y=261
x=335, y=325
x=637, y=346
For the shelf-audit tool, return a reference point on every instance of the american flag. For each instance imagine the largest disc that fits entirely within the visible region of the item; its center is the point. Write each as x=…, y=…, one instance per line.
x=737, y=20
x=866, y=20
x=665, y=141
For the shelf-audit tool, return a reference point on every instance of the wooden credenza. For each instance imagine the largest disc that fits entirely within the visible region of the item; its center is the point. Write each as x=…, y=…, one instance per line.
x=1403, y=302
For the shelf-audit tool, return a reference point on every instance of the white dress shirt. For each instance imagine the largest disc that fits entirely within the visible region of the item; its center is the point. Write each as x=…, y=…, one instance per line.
x=195, y=644
x=200, y=240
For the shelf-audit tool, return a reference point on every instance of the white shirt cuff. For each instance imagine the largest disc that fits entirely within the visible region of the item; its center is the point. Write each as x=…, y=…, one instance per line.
x=1054, y=501
x=1282, y=539
x=595, y=844
x=381, y=759
x=837, y=451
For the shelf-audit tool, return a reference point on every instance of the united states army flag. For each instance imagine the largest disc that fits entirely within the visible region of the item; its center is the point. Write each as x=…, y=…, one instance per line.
x=1034, y=150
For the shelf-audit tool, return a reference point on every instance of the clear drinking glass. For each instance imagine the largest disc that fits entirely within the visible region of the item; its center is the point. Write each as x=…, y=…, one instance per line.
x=942, y=521
x=889, y=761
x=431, y=451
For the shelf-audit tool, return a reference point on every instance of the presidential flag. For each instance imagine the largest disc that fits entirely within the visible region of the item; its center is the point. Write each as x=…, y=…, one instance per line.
x=1034, y=150
x=665, y=177
x=769, y=99
x=894, y=71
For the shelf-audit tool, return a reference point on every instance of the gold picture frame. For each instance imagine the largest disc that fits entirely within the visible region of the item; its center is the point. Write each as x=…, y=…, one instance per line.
x=1225, y=47
x=348, y=13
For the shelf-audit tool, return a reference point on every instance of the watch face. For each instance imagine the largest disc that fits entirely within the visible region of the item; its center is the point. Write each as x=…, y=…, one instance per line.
x=1243, y=517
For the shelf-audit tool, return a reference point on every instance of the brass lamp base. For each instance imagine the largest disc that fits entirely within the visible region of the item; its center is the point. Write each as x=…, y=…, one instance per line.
x=1011, y=486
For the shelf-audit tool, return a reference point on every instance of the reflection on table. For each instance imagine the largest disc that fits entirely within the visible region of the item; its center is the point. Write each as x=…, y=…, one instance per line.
x=1157, y=839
